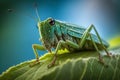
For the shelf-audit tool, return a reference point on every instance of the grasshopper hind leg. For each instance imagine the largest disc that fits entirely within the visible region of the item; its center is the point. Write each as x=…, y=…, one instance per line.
x=100, y=57
x=87, y=34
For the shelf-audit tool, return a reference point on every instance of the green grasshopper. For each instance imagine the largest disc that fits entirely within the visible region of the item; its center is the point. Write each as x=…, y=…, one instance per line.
x=60, y=35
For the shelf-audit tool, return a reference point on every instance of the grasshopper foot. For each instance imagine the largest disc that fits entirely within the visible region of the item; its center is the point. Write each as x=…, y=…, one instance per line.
x=109, y=54
x=102, y=61
x=34, y=63
x=53, y=62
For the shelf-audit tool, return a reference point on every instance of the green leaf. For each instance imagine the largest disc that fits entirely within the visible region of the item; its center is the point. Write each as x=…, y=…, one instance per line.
x=82, y=65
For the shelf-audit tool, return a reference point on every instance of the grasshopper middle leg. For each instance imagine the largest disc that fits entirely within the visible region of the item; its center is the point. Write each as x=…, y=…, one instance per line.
x=59, y=46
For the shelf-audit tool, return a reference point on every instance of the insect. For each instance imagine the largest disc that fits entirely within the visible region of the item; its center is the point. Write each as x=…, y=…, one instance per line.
x=60, y=35
x=10, y=10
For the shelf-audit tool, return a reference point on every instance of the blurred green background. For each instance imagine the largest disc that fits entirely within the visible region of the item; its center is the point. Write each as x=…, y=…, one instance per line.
x=18, y=31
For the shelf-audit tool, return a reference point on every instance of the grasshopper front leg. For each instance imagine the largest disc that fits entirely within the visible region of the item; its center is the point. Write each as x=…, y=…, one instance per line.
x=35, y=48
x=59, y=46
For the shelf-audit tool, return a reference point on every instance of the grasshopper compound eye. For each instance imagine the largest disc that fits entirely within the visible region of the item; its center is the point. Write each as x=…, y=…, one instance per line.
x=51, y=22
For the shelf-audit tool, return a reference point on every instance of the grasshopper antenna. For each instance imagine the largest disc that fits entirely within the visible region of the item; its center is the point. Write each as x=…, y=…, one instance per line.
x=35, y=6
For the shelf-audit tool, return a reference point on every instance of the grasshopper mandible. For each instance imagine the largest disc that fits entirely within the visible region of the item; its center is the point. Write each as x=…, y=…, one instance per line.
x=60, y=35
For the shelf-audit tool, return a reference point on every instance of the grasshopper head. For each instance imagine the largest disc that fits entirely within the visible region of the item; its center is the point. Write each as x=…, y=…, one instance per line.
x=46, y=30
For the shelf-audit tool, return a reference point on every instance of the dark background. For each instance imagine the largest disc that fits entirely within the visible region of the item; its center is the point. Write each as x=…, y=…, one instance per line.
x=18, y=30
